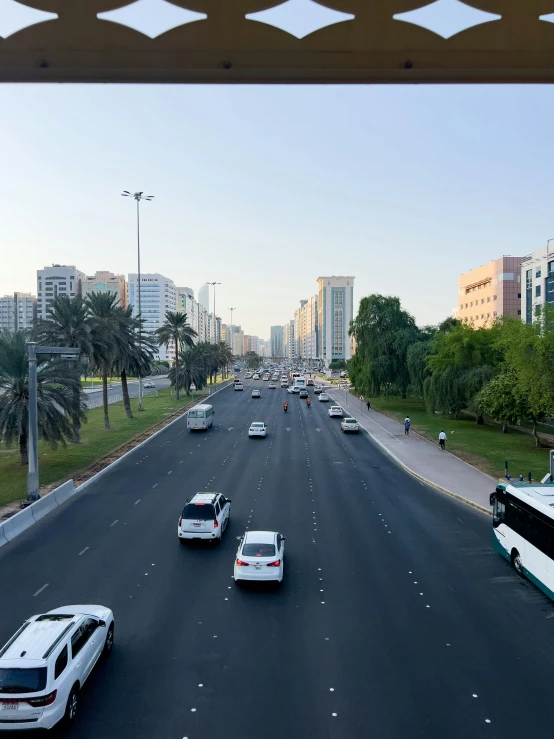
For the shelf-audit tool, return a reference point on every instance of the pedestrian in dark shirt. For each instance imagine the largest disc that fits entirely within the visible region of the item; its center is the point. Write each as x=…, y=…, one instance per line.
x=368, y=405
x=407, y=427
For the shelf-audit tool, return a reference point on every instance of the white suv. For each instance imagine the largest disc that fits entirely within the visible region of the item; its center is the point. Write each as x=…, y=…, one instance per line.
x=45, y=664
x=205, y=516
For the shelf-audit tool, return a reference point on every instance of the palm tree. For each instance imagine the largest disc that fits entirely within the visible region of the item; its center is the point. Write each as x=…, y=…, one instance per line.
x=176, y=329
x=105, y=333
x=226, y=355
x=58, y=387
x=191, y=368
x=66, y=325
x=130, y=358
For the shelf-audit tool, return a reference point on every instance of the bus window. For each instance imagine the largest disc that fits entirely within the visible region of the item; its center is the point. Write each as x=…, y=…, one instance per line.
x=498, y=512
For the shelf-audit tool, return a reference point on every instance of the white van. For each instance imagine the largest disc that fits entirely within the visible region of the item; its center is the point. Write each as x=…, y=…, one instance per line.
x=200, y=417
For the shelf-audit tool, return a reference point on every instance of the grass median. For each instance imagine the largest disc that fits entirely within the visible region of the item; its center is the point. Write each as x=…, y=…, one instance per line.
x=61, y=464
x=485, y=447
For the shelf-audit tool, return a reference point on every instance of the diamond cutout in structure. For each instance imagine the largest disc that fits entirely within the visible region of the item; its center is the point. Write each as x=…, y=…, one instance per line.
x=14, y=17
x=446, y=18
x=300, y=17
x=152, y=17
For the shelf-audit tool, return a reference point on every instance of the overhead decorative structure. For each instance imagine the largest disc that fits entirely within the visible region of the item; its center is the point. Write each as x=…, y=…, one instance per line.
x=267, y=41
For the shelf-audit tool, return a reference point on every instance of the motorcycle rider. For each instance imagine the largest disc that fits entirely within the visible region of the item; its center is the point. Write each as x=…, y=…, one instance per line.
x=308, y=401
x=285, y=406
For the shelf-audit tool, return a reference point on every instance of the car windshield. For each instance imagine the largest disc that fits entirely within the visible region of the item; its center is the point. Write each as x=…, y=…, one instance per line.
x=258, y=550
x=199, y=512
x=22, y=680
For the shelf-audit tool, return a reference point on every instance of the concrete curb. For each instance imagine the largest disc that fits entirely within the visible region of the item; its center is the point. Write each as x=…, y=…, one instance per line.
x=3, y=539
x=64, y=492
x=18, y=524
x=421, y=478
x=43, y=506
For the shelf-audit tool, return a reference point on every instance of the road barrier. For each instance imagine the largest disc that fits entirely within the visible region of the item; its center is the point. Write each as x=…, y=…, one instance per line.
x=18, y=524
x=3, y=539
x=43, y=506
x=64, y=492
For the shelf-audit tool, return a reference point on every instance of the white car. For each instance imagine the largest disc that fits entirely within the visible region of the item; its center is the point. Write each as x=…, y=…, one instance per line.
x=256, y=394
x=350, y=425
x=45, y=664
x=239, y=386
x=205, y=516
x=248, y=376
x=335, y=411
x=260, y=556
x=290, y=390
x=271, y=386
x=284, y=383
x=323, y=398
x=148, y=385
x=257, y=428
x=256, y=376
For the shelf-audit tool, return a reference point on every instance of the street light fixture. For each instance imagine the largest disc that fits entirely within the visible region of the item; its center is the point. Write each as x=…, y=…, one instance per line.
x=215, y=324
x=138, y=196
x=68, y=354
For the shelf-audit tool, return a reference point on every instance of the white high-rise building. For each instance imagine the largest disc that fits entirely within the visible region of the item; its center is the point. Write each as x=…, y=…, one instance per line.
x=59, y=279
x=289, y=340
x=204, y=296
x=335, y=312
x=157, y=295
x=17, y=312
x=187, y=304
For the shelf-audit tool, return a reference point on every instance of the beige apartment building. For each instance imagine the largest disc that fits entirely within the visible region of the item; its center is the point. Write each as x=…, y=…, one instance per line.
x=103, y=282
x=490, y=291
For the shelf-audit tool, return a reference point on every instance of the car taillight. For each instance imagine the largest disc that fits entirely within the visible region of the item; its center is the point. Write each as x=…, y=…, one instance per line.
x=240, y=563
x=216, y=524
x=180, y=521
x=44, y=700
x=277, y=563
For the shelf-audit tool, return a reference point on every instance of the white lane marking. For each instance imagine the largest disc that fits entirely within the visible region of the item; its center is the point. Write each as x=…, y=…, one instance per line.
x=170, y=471
x=155, y=486
x=136, y=502
x=475, y=695
x=84, y=550
x=40, y=590
x=114, y=523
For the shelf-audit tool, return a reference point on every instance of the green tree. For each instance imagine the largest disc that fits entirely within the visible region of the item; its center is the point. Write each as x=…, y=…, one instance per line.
x=103, y=318
x=383, y=333
x=176, y=330
x=130, y=357
x=191, y=368
x=502, y=400
x=338, y=364
x=58, y=386
x=253, y=361
x=66, y=325
x=416, y=361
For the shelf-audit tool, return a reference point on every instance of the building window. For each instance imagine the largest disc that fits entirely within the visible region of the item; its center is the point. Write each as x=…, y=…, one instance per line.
x=494, y=314
x=471, y=304
x=519, y=295
x=538, y=272
x=537, y=291
x=482, y=301
x=519, y=312
x=495, y=297
x=488, y=300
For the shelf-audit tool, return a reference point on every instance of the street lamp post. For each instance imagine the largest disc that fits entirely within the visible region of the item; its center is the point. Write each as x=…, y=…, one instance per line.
x=138, y=196
x=214, y=321
x=68, y=353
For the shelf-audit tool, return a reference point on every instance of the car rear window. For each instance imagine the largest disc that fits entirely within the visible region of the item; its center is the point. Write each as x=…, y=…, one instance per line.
x=351, y=420
x=22, y=680
x=257, y=425
x=258, y=550
x=199, y=512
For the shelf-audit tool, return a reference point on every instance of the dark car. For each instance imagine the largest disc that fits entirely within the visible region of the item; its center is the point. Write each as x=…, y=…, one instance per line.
x=303, y=394
x=318, y=390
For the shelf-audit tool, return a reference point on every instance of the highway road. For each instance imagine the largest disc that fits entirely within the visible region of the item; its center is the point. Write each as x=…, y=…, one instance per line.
x=395, y=619
x=94, y=399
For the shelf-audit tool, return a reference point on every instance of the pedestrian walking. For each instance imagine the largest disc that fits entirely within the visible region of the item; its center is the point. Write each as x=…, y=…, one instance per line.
x=442, y=440
x=407, y=427
x=368, y=405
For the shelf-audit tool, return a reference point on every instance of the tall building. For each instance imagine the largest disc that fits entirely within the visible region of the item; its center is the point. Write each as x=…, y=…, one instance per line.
x=306, y=329
x=335, y=305
x=188, y=305
x=277, y=349
x=238, y=341
x=289, y=340
x=204, y=296
x=537, y=279
x=18, y=312
x=157, y=295
x=103, y=282
x=490, y=291
x=59, y=279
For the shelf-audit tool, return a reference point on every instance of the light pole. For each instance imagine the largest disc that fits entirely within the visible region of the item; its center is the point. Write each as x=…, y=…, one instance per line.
x=215, y=324
x=138, y=196
x=71, y=355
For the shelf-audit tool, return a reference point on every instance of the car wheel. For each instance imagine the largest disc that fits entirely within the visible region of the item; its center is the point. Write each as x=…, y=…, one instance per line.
x=72, y=705
x=518, y=563
x=108, y=644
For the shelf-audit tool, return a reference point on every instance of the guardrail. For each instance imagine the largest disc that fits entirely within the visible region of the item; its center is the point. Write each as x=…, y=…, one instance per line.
x=96, y=402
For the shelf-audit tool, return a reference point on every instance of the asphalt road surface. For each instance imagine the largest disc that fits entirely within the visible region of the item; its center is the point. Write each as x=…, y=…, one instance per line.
x=94, y=399
x=395, y=618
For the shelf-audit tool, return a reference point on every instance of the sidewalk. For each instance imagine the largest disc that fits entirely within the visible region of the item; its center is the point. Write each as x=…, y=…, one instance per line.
x=420, y=457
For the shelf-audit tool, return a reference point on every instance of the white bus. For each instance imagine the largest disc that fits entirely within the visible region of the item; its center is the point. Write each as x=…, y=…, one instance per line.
x=523, y=526
x=200, y=417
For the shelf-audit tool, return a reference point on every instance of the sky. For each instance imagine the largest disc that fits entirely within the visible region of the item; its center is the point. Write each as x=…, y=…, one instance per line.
x=265, y=188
